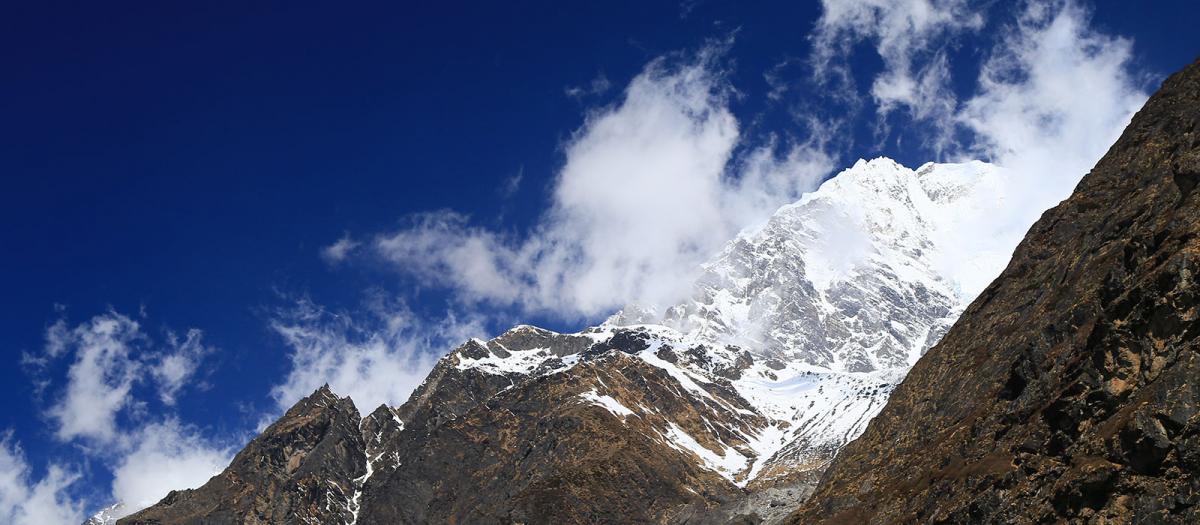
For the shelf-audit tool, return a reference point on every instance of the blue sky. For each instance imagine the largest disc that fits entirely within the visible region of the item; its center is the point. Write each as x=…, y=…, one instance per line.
x=285, y=180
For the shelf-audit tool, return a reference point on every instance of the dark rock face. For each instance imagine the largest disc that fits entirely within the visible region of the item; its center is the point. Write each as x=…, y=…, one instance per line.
x=1068, y=391
x=301, y=469
x=447, y=392
x=526, y=337
x=532, y=455
x=479, y=447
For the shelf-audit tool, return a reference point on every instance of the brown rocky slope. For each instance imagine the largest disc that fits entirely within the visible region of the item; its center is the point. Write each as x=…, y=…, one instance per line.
x=1069, y=391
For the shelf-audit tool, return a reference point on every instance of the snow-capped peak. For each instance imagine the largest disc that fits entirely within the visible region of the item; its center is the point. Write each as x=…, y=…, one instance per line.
x=810, y=320
x=862, y=274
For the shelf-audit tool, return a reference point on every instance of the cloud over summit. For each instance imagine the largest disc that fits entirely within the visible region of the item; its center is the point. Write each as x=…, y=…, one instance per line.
x=651, y=187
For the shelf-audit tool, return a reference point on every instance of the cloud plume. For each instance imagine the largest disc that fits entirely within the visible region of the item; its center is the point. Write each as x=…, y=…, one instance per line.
x=377, y=357
x=651, y=187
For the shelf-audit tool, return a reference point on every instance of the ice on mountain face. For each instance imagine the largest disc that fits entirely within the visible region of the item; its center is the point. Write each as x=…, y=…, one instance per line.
x=519, y=362
x=857, y=276
x=729, y=463
x=607, y=402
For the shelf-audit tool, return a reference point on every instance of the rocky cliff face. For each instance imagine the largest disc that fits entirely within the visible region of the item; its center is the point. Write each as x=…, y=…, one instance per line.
x=1067, y=392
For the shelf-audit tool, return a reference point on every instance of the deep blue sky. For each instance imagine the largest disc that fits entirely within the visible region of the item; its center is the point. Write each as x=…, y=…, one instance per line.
x=192, y=161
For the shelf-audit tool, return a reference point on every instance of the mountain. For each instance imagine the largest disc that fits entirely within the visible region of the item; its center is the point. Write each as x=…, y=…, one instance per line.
x=1067, y=391
x=726, y=406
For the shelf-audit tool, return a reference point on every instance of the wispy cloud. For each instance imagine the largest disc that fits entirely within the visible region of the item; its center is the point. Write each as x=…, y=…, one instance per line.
x=110, y=355
x=912, y=38
x=28, y=501
x=1025, y=114
x=339, y=250
x=687, y=6
x=99, y=410
x=599, y=85
x=512, y=184
x=1029, y=113
x=177, y=365
x=378, y=357
x=99, y=380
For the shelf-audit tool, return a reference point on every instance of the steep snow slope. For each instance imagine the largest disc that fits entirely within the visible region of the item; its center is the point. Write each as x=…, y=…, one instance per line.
x=863, y=274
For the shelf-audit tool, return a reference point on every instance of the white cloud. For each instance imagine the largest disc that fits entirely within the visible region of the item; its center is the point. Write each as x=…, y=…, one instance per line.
x=99, y=409
x=111, y=356
x=24, y=501
x=379, y=358
x=650, y=189
x=441, y=247
x=1030, y=117
x=176, y=366
x=100, y=378
x=162, y=457
x=338, y=251
x=1030, y=114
